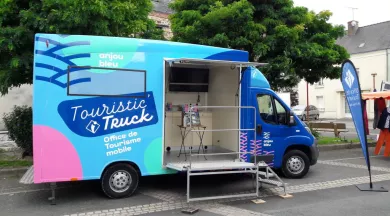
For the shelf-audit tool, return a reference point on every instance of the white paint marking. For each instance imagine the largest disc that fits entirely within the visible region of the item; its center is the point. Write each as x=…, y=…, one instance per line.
x=230, y=210
x=352, y=158
x=31, y=190
x=218, y=207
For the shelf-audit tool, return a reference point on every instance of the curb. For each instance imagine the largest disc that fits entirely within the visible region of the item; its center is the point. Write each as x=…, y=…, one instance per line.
x=19, y=170
x=342, y=146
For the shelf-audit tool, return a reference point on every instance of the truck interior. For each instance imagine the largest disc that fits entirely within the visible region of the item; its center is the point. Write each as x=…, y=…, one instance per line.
x=210, y=144
x=213, y=87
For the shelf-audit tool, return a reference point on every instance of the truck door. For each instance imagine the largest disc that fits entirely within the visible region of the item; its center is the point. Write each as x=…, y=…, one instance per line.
x=272, y=118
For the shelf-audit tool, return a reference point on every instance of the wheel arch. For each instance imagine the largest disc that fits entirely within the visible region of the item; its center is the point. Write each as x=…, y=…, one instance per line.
x=134, y=165
x=304, y=148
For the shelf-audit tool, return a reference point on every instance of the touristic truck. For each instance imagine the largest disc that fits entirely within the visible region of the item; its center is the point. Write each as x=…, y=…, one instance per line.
x=115, y=109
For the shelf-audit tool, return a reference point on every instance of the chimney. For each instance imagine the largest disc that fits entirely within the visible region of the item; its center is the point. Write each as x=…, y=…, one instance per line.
x=352, y=27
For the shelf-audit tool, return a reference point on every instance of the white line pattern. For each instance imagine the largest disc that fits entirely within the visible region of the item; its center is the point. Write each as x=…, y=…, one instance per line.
x=214, y=206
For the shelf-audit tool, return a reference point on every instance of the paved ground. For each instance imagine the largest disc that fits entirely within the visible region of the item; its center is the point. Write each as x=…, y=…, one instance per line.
x=328, y=189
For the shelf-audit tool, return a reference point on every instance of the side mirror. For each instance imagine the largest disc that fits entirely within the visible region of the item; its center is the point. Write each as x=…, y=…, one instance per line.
x=290, y=119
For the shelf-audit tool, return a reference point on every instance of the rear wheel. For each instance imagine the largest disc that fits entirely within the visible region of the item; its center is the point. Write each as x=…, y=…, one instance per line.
x=296, y=164
x=119, y=181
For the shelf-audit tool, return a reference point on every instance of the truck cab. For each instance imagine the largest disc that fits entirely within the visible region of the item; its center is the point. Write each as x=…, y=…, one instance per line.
x=280, y=132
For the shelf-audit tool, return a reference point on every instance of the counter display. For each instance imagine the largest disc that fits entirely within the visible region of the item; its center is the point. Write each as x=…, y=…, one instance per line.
x=172, y=131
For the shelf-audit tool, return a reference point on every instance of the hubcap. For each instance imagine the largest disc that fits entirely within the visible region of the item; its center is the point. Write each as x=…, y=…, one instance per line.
x=295, y=164
x=120, y=181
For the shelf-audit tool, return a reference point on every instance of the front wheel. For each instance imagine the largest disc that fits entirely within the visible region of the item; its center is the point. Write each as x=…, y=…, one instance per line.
x=303, y=117
x=119, y=181
x=296, y=164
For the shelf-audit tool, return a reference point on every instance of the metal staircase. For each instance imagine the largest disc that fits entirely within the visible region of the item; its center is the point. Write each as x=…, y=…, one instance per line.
x=269, y=173
x=210, y=167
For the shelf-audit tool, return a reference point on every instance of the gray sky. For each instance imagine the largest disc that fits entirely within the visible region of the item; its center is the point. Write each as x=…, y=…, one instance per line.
x=368, y=12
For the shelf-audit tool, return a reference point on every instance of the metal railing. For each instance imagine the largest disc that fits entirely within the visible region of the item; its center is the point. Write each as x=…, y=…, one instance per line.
x=242, y=168
x=225, y=130
x=4, y=136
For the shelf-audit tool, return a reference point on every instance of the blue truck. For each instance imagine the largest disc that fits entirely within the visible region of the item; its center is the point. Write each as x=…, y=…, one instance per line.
x=114, y=109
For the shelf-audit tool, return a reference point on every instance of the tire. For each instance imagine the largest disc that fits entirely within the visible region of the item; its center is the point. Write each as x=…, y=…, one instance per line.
x=296, y=164
x=303, y=117
x=317, y=117
x=119, y=181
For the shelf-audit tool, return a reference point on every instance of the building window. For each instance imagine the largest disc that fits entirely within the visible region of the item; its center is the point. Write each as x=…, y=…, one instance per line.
x=320, y=103
x=320, y=83
x=346, y=107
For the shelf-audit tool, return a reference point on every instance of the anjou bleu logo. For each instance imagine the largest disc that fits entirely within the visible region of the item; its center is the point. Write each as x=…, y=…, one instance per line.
x=100, y=116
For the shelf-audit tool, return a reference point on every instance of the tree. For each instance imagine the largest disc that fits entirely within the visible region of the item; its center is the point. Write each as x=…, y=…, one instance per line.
x=297, y=44
x=21, y=19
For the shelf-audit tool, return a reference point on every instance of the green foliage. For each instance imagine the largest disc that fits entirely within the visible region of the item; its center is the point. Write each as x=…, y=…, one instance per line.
x=19, y=126
x=297, y=44
x=20, y=20
x=338, y=140
x=315, y=133
x=15, y=163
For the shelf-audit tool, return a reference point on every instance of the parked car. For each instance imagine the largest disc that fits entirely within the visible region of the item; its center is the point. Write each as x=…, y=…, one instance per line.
x=301, y=112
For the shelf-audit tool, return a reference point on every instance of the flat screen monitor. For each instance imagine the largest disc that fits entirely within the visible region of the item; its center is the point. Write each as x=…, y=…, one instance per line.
x=189, y=80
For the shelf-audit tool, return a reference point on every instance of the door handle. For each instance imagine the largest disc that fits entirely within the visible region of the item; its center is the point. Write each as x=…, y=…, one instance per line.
x=259, y=129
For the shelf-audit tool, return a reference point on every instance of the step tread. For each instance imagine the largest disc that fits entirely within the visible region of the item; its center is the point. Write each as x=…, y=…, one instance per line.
x=270, y=175
x=272, y=182
x=28, y=177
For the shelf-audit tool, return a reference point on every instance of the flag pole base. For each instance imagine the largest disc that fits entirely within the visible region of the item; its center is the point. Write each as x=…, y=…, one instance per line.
x=374, y=188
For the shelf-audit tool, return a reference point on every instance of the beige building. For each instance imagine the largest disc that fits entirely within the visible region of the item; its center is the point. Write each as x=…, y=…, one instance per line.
x=16, y=96
x=369, y=48
x=23, y=95
x=160, y=15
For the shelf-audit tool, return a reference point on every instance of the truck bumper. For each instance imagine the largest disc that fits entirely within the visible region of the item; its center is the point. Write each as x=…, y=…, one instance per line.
x=314, y=153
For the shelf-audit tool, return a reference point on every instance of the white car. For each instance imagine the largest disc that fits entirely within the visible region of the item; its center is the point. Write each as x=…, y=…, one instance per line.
x=301, y=112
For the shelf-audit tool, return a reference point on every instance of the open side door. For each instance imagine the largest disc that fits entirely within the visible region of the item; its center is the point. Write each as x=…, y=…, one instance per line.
x=212, y=63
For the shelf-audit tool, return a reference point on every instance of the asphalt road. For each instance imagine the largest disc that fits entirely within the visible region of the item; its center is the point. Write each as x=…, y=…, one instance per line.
x=328, y=189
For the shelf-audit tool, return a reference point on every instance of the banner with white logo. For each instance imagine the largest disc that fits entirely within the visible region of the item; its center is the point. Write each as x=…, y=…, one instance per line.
x=351, y=85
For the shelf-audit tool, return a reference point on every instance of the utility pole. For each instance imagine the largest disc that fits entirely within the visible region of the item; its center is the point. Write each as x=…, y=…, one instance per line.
x=307, y=101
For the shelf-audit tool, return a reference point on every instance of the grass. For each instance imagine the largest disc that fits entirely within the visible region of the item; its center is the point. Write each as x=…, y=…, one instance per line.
x=12, y=159
x=335, y=140
x=14, y=163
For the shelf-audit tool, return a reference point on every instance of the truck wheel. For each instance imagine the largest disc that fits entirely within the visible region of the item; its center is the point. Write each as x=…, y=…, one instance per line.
x=119, y=180
x=296, y=164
